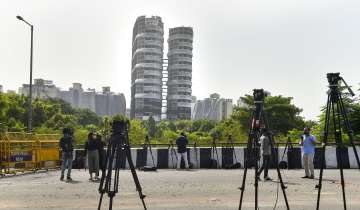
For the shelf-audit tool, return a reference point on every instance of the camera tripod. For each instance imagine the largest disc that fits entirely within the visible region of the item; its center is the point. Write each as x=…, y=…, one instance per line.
x=336, y=117
x=173, y=154
x=258, y=121
x=118, y=148
x=147, y=145
x=230, y=146
x=214, y=161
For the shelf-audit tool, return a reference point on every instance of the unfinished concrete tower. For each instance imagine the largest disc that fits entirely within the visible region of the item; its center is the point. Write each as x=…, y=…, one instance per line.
x=179, y=73
x=146, y=71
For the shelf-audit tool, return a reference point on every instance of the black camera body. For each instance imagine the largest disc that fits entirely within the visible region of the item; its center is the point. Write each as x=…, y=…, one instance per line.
x=333, y=78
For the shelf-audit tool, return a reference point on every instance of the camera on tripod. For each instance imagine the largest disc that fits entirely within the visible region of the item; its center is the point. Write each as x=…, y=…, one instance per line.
x=333, y=78
x=118, y=149
x=259, y=95
x=334, y=82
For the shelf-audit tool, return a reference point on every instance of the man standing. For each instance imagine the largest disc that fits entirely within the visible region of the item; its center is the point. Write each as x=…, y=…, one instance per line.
x=308, y=150
x=92, y=151
x=181, y=143
x=265, y=142
x=66, y=145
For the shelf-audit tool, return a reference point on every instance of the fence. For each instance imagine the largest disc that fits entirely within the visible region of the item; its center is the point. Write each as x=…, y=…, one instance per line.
x=28, y=152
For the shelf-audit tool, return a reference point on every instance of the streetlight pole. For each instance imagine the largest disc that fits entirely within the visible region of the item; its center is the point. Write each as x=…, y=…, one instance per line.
x=31, y=66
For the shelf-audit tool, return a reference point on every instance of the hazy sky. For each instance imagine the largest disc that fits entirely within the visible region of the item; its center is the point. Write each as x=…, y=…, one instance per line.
x=283, y=46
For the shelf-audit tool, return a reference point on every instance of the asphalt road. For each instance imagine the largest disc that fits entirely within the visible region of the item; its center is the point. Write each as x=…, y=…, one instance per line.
x=177, y=190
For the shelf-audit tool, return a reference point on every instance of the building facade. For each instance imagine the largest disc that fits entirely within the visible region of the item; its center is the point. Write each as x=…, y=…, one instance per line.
x=213, y=108
x=102, y=103
x=41, y=89
x=146, y=71
x=179, y=84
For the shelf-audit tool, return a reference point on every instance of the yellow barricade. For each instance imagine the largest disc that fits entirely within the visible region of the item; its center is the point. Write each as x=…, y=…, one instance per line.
x=24, y=152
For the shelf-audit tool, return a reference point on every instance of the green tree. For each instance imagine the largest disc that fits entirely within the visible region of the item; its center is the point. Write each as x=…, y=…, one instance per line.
x=137, y=132
x=203, y=125
x=151, y=126
x=87, y=117
x=281, y=114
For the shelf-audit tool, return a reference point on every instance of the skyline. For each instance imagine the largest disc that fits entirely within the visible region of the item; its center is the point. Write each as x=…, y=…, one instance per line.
x=276, y=45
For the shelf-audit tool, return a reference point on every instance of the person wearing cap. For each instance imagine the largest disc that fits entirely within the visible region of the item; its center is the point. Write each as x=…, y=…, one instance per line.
x=67, y=148
x=181, y=143
x=308, y=150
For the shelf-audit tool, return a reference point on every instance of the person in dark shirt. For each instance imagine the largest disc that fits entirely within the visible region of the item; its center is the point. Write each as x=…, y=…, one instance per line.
x=67, y=148
x=181, y=143
x=92, y=151
x=102, y=158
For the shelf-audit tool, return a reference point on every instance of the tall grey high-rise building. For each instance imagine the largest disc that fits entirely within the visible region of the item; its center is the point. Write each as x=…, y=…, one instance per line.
x=146, y=71
x=180, y=73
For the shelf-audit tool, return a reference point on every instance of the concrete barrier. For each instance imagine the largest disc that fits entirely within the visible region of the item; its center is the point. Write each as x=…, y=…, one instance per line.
x=200, y=157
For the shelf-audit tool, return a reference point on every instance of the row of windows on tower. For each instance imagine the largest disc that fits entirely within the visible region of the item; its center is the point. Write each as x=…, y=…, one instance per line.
x=148, y=46
x=138, y=61
x=180, y=62
x=179, y=47
x=180, y=70
x=149, y=53
x=154, y=29
x=179, y=78
x=180, y=40
x=174, y=101
x=181, y=31
x=171, y=57
x=179, y=93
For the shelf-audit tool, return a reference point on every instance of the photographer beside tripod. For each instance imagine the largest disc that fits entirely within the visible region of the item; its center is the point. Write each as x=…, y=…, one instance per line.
x=266, y=153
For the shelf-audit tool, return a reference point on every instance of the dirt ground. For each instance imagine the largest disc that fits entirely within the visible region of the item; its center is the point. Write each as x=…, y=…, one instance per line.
x=177, y=190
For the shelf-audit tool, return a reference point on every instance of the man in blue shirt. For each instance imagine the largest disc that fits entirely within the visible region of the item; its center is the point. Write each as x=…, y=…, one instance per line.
x=308, y=150
x=181, y=143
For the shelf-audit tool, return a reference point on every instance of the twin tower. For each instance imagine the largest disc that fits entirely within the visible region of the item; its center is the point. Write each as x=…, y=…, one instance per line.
x=160, y=87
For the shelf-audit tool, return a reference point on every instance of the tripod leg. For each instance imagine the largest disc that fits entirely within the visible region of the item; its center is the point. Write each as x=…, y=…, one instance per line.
x=338, y=138
x=134, y=175
x=111, y=202
x=342, y=178
x=152, y=156
x=103, y=177
x=256, y=183
x=283, y=187
x=326, y=132
x=350, y=131
x=319, y=185
x=242, y=188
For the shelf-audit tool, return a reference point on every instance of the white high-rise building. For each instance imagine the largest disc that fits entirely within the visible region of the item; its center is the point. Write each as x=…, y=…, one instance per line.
x=180, y=73
x=147, y=67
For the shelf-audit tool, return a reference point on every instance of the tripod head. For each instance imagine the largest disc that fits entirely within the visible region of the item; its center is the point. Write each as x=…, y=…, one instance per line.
x=259, y=95
x=119, y=132
x=334, y=80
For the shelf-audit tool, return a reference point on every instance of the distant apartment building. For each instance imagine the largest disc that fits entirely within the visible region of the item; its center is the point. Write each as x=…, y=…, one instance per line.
x=1, y=89
x=102, y=103
x=41, y=89
x=108, y=103
x=179, y=84
x=79, y=98
x=213, y=108
x=147, y=67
